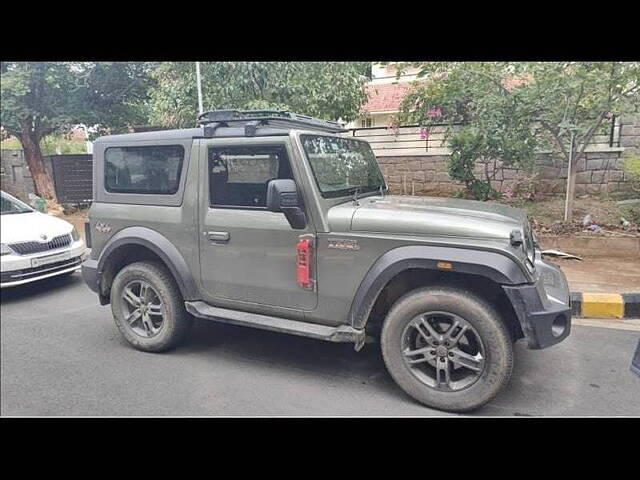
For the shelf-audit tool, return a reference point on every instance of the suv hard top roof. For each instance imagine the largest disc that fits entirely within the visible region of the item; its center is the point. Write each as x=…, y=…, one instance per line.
x=235, y=123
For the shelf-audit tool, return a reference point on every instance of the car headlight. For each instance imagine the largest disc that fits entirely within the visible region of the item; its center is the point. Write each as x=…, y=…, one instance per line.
x=75, y=235
x=530, y=266
x=524, y=239
x=5, y=250
x=530, y=249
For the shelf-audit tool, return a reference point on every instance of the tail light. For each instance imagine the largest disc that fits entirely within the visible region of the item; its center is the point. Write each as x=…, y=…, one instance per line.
x=304, y=251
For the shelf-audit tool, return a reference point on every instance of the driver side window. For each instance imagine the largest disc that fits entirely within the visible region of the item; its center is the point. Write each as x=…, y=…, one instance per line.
x=238, y=176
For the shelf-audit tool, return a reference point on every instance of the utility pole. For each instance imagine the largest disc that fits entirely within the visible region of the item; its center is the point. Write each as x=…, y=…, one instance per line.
x=199, y=82
x=568, y=203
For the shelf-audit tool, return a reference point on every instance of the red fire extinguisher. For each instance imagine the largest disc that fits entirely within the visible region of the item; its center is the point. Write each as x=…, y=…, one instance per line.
x=303, y=262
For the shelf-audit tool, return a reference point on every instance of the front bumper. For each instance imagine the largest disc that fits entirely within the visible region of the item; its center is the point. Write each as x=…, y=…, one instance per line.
x=18, y=270
x=544, y=307
x=91, y=277
x=90, y=274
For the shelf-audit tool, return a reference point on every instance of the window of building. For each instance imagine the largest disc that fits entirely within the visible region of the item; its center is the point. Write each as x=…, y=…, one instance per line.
x=238, y=176
x=147, y=170
x=366, y=122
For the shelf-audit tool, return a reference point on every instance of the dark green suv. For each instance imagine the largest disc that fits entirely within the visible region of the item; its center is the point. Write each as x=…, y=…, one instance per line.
x=282, y=222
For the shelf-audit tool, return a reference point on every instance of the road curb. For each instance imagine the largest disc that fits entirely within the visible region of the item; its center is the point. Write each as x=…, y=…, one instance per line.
x=605, y=305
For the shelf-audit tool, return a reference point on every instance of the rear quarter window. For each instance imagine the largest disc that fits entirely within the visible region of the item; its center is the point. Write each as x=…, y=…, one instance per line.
x=143, y=170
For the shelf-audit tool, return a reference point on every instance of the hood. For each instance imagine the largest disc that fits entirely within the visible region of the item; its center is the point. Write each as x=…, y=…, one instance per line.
x=431, y=216
x=27, y=227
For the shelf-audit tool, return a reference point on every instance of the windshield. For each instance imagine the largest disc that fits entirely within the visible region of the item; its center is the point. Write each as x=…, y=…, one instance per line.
x=342, y=165
x=13, y=205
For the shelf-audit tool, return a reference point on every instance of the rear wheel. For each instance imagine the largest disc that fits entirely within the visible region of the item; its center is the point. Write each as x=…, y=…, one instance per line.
x=447, y=348
x=147, y=307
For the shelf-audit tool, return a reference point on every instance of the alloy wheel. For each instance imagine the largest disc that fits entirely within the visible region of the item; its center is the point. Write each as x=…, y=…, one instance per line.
x=443, y=351
x=142, y=309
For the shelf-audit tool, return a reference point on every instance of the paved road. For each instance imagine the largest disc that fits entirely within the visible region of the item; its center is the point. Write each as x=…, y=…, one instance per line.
x=62, y=355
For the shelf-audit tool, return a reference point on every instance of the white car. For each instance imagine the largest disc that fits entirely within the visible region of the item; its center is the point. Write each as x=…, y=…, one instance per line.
x=35, y=245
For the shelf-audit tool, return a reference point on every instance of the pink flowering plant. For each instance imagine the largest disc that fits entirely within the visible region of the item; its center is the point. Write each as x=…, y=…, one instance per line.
x=434, y=112
x=433, y=115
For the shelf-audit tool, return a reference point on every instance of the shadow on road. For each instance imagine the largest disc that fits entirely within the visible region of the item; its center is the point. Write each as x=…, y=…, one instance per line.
x=279, y=348
x=40, y=288
x=291, y=353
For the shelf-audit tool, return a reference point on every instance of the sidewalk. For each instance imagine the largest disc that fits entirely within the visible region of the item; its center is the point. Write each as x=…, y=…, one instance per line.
x=603, y=287
x=601, y=274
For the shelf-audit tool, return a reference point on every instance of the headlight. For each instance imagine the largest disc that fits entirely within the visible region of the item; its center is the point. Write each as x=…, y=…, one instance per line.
x=524, y=239
x=530, y=266
x=5, y=250
x=529, y=244
x=75, y=235
x=534, y=237
x=530, y=250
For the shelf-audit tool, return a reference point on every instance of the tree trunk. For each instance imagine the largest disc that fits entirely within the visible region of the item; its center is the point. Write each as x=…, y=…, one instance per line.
x=571, y=187
x=35, y=162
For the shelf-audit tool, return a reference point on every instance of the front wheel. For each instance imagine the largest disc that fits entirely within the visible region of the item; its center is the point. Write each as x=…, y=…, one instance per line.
x=447, y=348
x=147, y=307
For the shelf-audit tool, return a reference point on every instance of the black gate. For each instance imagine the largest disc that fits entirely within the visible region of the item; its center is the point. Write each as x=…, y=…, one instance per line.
x=73, y=178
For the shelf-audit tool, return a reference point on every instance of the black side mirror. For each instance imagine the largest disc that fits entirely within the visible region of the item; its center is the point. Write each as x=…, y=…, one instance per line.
x=282, y=196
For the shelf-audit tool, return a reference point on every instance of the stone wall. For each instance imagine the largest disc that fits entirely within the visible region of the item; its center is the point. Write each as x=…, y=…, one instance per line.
x=599, y=171
x=418, y=175
x=630, y=134
x=15, y=178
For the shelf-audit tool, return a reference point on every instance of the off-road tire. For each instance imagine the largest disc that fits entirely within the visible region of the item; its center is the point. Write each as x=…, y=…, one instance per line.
x=484, y=319
x=176, y=323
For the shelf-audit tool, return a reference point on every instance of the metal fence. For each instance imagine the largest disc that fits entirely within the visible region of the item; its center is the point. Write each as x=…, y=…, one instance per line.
x=407, y=140
x=403, y=141
x=73, y=178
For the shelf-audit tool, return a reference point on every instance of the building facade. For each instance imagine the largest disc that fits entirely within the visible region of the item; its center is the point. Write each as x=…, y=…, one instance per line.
x=385, y=93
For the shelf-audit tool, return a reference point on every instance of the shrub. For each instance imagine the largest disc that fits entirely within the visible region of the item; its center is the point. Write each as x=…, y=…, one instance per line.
x=632, y=168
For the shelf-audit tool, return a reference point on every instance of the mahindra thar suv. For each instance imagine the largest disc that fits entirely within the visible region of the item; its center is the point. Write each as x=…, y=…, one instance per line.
x=279, y=221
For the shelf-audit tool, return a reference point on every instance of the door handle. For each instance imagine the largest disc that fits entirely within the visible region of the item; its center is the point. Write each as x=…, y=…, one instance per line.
x=222, y=237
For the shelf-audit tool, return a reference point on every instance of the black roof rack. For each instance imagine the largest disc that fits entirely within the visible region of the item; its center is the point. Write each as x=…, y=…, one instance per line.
x=253, y=118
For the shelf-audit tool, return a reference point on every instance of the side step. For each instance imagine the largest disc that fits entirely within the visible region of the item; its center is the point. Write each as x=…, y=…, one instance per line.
x=342, y=333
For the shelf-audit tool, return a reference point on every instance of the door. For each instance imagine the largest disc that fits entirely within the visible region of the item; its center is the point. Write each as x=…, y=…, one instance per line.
x=248, y=254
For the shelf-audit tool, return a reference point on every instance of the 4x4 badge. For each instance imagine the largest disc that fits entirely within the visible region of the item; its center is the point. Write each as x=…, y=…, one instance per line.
x=103, y=227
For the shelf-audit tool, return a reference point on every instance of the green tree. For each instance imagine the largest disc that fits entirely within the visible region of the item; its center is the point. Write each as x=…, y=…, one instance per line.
x=47, y=98
x=508, y=110
x=632, y=167
x=329, y=90
x=572, y=101
x=486, y=121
